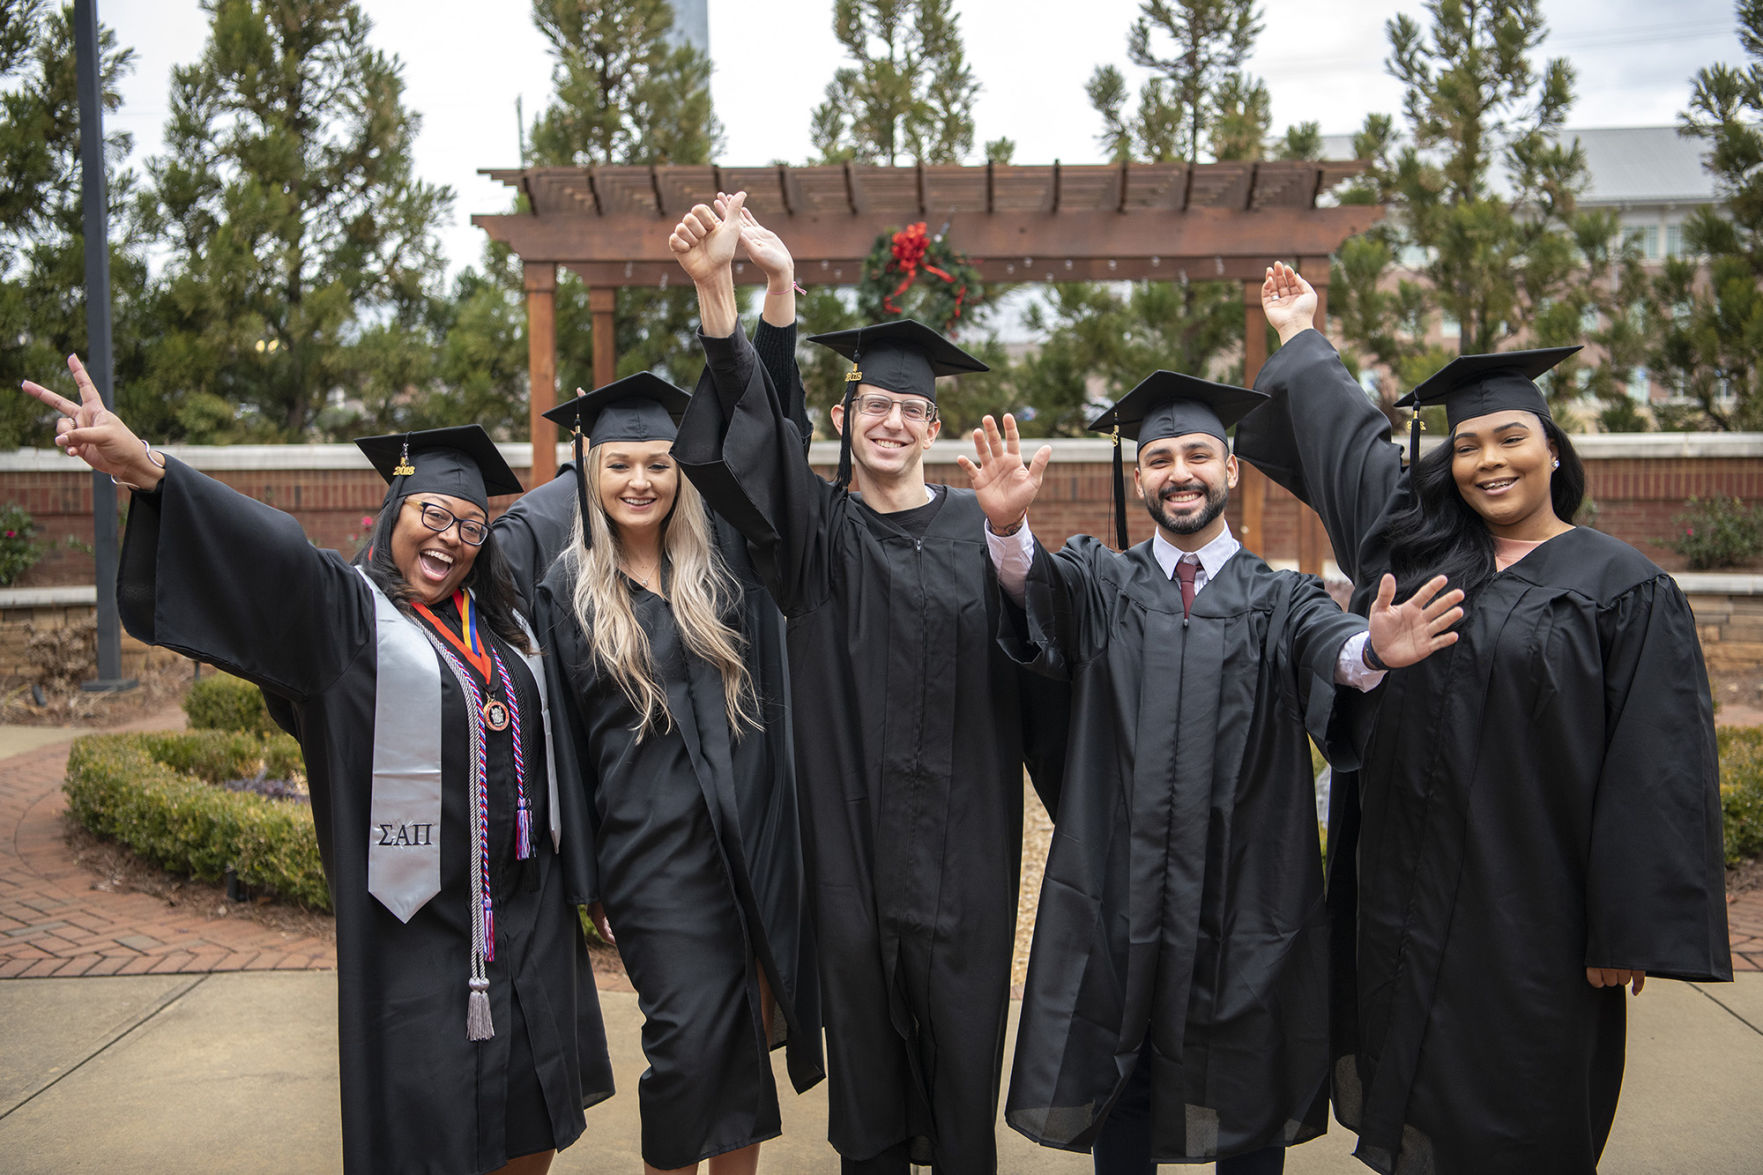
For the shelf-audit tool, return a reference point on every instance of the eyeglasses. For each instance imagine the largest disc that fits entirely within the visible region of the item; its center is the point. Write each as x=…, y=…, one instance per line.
x=439, y=518
x=913, y=411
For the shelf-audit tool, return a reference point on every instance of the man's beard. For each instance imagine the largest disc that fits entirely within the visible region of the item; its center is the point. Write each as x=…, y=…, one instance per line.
x=1213, y=505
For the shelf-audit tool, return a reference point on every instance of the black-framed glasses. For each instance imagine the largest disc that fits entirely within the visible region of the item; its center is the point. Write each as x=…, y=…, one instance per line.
x=439, y=518
x=913, y=411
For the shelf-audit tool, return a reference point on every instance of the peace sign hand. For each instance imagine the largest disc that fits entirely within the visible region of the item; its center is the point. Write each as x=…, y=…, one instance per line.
x=90, y=431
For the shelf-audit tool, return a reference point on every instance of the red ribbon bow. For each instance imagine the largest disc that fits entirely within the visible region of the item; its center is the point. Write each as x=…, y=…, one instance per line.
x=910, y=246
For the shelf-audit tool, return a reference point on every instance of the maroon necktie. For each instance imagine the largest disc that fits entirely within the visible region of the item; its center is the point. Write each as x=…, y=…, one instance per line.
x=1185, y=570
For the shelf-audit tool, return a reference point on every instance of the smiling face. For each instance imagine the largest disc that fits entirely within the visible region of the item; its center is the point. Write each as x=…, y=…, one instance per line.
x=1502, y=463
x=889, y=446
x=638, y=484
x=433, y=563
x=1185, y=483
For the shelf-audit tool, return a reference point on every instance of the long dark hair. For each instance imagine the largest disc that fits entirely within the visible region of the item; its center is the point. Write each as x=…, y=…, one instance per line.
x=1438, y=533
x=489, y=580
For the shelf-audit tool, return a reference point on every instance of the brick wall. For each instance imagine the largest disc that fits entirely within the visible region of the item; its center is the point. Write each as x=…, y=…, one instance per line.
x=1637, y=484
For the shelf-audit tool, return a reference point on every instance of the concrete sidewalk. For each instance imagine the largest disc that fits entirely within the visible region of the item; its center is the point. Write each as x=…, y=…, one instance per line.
x=237, y=1073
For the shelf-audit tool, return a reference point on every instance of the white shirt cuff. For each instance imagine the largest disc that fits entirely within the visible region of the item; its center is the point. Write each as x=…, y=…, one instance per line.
x=1350, y=667
x=1011, y=556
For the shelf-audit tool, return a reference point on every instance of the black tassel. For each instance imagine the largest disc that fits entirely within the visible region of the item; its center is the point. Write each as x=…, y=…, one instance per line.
x=1119, y=495
x=581, y=484
x=844, y=477
x=1415, y=428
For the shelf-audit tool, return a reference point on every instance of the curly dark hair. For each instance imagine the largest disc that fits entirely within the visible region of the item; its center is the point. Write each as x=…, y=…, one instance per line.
x=490, y=582
x=1438, y=533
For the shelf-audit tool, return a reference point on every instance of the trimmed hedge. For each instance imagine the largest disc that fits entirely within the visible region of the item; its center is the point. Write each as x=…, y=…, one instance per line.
x=224, y=702
x=1741, y=791
x=159, y=795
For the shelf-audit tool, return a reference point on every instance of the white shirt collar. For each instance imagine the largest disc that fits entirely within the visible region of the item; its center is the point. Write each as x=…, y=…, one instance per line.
x=1213, y=556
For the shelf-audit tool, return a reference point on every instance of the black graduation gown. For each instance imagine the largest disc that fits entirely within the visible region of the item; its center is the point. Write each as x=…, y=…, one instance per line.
x=1539, y=798
x=697, y=860
x=1183, y=893
x=215, y=575
x=909, y=755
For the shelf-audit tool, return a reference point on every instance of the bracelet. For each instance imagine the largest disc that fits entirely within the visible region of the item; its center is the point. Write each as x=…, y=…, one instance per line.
x=129, y=485
x=795, y=288
x=1004, y=534
x=1370, y=657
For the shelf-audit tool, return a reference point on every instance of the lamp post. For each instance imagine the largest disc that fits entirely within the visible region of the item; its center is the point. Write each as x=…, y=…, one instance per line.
x=99, y=360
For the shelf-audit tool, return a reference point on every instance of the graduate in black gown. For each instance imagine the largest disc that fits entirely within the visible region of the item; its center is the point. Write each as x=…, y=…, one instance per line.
x=1537, y=821
x=1176, y=1004
x=469, y=1029
x=668, y=658
x=908, y=733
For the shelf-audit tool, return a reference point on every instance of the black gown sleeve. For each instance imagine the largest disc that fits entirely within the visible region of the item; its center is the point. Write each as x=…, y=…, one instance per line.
x=1063, y=621
x=740, y=448
x=776, y=348
x=576, y=781
x=225, y=579
x=1320, y=438
x=534, y=530
x=1315, y=629
x=1655, y=876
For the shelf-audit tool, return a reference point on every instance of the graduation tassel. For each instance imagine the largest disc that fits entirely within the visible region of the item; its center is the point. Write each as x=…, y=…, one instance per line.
x=1119, y=495
x=1416, y=426
x=478, y=1025
x=581, y=481
x=844, y=475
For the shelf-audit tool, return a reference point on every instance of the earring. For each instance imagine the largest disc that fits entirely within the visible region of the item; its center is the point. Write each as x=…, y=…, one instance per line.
x=1557, y=464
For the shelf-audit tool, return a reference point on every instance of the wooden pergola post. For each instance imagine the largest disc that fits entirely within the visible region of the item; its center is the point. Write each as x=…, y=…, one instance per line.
x=540, y=279
x=602, y=304
x=1252, y=486
x=1313, y=543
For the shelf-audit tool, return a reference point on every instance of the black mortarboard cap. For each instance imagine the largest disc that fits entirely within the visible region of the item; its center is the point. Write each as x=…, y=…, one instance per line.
x=640, y=407
x=903, y=356
x=1170, y=404
x=1475, y=385
x=461, y=461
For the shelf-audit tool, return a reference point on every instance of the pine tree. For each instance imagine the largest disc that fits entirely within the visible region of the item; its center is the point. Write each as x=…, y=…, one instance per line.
x=1483, y=188
x=909, y=96
x=42, y=242
x=303, y=252
x=1707, y=311
x=1197, y=102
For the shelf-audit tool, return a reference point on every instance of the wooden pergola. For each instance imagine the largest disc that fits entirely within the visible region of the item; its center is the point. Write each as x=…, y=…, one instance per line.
x=1134, y=221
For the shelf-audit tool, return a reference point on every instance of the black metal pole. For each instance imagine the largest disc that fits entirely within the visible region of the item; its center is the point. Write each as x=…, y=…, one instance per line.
x=99, y=360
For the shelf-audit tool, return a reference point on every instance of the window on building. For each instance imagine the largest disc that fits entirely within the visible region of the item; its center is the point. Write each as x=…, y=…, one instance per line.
x=1674, y=240
x=1646, y=238
x=1640, y=384
x=1449, y=326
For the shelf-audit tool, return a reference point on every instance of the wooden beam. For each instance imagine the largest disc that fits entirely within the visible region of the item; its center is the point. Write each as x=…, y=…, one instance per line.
x=1206, y=243
x=540, y=279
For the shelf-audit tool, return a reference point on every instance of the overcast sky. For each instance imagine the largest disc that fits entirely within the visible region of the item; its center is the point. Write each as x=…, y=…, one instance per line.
x=467, y=62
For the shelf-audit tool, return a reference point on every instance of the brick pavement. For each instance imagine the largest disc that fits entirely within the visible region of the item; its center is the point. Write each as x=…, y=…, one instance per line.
x=1744, y=924
x=54, y=922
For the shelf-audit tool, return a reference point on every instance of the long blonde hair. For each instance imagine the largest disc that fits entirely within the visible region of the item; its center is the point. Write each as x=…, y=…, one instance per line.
x=700, y=589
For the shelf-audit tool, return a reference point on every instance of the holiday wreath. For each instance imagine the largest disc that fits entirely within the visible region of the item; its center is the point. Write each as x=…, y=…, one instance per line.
x=911, y=274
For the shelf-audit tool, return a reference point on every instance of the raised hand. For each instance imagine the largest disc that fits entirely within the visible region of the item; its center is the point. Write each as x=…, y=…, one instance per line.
x=1003, y=484
x=1289, y=300
x=90, y=431
x=1416, y=629
x=703, y=242
x=763, y=247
